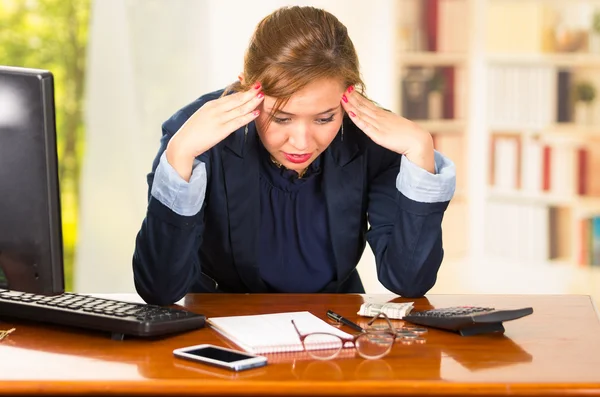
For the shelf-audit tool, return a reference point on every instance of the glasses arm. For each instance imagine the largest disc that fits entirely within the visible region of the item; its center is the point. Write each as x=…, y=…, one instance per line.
x=297, y=331
x=387, y=319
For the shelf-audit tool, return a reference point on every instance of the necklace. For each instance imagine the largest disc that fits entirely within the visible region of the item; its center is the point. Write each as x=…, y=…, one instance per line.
x=279, y=165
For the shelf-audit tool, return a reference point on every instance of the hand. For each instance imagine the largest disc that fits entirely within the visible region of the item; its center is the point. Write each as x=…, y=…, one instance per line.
x=209, y=125
x=389, y=130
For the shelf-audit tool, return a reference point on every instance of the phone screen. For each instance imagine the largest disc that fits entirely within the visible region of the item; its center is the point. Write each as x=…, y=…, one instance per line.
x=218, y=354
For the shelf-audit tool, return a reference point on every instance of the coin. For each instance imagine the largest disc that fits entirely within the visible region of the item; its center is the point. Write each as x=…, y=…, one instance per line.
x=406, y=335
x=378, y=327
x=415, y=330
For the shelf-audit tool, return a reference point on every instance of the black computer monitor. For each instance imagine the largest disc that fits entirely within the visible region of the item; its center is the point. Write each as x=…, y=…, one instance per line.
x=31, y=246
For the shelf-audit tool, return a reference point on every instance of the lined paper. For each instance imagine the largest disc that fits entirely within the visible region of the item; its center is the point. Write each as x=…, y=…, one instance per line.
x=272, y=333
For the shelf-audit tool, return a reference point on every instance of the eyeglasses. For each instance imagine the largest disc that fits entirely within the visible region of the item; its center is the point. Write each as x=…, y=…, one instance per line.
x=370, y=344
x=4, y=334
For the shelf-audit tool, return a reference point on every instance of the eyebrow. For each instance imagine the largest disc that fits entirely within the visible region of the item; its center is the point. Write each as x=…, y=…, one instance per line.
x=292, y=114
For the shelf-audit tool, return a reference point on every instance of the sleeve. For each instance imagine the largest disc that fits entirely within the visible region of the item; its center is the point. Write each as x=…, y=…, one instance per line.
x=405, y=234
x=166, y=257
x=420, y=185
x=181, y=197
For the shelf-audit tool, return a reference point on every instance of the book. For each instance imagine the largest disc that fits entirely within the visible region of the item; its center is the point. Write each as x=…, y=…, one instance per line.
x=415, y=90
x=595, y=243
x=273, y=333
x=564, y=99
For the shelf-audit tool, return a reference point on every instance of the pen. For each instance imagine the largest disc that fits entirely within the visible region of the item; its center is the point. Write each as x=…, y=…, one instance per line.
x=345, y=321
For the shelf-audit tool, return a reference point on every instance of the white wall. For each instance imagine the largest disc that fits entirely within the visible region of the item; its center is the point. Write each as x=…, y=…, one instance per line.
x=148, y=58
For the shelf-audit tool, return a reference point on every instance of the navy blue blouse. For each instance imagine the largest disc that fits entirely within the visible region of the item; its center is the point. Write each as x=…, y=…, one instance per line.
x=295, y=252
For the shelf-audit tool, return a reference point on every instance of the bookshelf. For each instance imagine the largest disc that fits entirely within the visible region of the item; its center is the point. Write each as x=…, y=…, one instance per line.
x=432, y=61
x=431, y=58
x=525, y=148
x=569, y=59
x=541, y=188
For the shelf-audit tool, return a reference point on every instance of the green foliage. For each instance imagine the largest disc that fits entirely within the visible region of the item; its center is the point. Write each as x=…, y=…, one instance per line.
x=585, y=92
x=596, y=22
x=52, y=35
x=438, y=81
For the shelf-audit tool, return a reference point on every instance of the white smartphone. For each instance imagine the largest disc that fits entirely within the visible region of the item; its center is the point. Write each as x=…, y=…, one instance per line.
x=221, y=357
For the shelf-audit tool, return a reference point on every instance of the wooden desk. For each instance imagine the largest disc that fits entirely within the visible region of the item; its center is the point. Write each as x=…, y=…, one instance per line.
x=554, y=351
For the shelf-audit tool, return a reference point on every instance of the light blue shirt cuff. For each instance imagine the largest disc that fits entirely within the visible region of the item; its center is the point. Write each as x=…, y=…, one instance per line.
x=183, y=198
x=420, y=185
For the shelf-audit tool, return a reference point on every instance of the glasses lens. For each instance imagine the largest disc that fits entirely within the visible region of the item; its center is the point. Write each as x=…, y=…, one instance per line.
x=323, y=346
x=374, y=344
x=379, y=324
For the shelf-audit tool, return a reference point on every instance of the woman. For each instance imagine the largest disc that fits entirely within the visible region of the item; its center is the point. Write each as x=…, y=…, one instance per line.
x=271, y=184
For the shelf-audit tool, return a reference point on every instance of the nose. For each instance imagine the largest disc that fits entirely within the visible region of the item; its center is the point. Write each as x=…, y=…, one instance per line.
x=299, y=137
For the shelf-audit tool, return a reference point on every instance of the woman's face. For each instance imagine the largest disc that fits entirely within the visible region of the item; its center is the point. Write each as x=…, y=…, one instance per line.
x=305, y=126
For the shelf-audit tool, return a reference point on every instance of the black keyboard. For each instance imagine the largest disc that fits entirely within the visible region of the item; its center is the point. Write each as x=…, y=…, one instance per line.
x=119, y=318
x=467, y=320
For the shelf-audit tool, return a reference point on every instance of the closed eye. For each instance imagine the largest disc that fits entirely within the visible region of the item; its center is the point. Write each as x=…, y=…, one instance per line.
x=281, y=120
x=326, y=120
x=287, y=120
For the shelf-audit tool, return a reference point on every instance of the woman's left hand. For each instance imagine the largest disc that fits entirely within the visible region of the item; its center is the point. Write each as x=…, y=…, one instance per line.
x=389, y=130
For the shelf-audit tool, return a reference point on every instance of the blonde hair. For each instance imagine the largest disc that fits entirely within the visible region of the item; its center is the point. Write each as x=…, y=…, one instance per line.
x=295, y=46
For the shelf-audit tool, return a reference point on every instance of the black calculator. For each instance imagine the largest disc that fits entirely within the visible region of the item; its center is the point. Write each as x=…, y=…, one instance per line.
x=467, y=320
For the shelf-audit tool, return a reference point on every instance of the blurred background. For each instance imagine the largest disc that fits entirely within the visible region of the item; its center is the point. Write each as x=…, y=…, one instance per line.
x=508, y=88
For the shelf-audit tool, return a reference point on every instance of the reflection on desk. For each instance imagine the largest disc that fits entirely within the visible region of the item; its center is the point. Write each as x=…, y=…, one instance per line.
x=506, y=352
x=360, y=369
x=207, y=370
x=375, y=370
x=27, y=364
x=534, y=357
x=324, y=370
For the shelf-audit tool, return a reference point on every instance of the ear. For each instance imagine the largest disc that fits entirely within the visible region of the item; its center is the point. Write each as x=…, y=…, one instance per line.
x=241, y=77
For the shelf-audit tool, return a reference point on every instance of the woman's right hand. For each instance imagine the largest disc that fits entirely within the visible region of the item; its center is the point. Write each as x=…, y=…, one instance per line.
x=209, y=125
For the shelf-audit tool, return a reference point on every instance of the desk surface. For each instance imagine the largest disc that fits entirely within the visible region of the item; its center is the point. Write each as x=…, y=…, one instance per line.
x=556, y=350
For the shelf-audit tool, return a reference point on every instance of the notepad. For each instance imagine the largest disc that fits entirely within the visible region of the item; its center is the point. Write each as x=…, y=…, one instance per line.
x=272, y=333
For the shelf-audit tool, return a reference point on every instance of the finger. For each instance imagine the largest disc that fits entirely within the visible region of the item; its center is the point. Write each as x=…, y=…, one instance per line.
x=244, y=108
x=369, y=129
x=242, y=120
x=355, y=112
x=233, y=101
x=362, y=103
x=366, y=123
x=360, y=99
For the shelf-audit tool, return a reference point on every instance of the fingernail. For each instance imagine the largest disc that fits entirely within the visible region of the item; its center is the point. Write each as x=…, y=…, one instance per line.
x=344, y=98
x=351, y=113
x=256, y=86
x=350, y=89
x=256, y=112
x=260, y=95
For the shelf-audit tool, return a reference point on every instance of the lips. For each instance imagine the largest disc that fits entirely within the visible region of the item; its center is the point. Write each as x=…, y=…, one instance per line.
x=297, y=158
